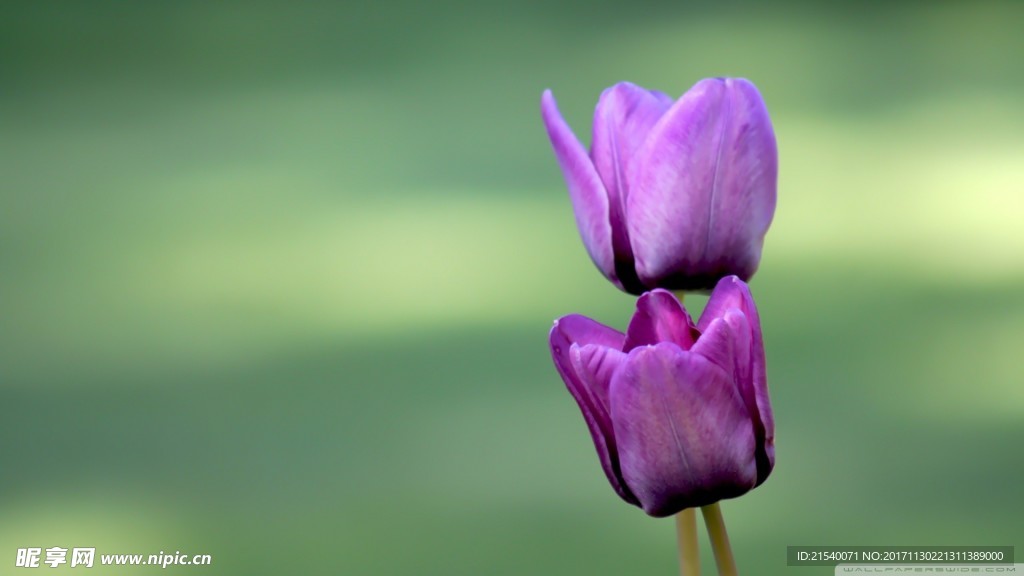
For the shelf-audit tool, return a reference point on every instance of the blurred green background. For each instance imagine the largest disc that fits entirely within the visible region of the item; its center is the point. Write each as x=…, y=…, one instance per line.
x=277, y=280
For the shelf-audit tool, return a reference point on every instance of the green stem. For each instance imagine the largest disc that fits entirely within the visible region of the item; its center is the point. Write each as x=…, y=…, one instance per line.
x=686, y=534
x=719, y=540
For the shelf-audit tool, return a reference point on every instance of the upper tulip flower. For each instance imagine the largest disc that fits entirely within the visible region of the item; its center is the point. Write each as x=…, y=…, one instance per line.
x=672, y=194
x=679, y=412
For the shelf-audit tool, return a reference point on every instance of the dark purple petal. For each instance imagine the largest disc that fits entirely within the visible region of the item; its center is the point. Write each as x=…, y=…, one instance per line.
x=727, y=343
x=703, y=187
x=596, y=365
x=660, y=317
x=586, y=355
x=586, y=191
x=717, y=344
x=577, y=329
x=732, y=294
x=622, y=120
x=683, y=433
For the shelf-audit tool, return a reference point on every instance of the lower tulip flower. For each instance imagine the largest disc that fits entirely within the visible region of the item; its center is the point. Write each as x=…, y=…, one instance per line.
x=679, y=412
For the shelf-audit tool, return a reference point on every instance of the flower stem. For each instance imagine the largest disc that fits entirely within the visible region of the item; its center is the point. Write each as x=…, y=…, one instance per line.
x=686, y=534
x=719, y=539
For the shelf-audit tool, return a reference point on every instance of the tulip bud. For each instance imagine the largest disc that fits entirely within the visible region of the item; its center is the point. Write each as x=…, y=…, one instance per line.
x=672, y=195
x=679, y=413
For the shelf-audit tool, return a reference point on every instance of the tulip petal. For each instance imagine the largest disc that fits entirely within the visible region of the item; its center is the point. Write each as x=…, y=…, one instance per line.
x=623, y=117
x=660, y=317
x=703, y=187
x=586, y=191
x=683, y=433
x=717, y=344
x=586, y=354
x=745, y=190
x=732, y=294
x=671, y=177
x=596, y=365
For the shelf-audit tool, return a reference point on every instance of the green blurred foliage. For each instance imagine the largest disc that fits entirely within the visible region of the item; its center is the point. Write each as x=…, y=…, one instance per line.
x=277, y=278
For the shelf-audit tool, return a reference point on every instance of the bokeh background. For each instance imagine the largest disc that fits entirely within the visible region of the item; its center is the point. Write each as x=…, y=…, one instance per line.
x=276, y=280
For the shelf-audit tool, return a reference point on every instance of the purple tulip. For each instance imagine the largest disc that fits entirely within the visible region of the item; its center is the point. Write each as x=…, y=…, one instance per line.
x=679, y=412
x=672, y=194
